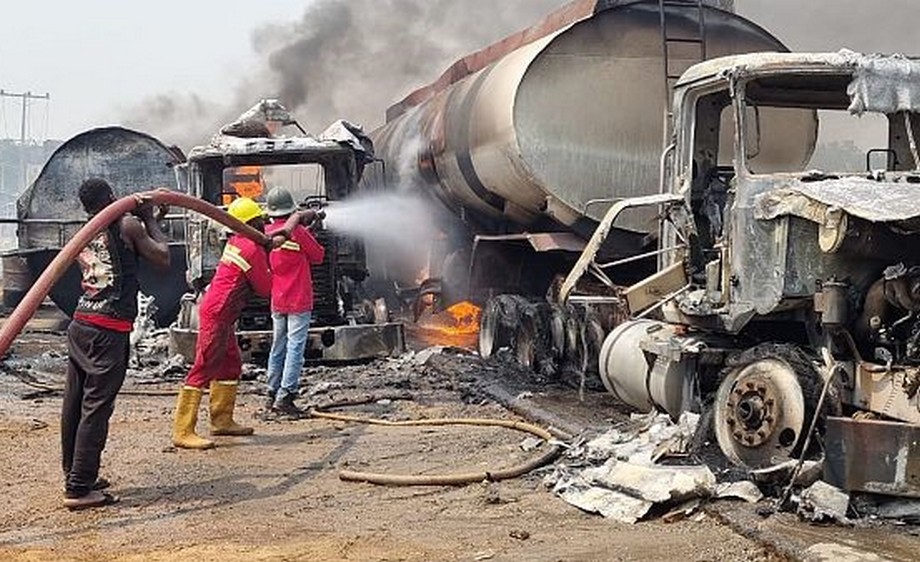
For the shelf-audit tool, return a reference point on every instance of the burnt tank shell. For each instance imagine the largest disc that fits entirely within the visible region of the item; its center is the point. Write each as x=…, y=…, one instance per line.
x=540, y=124
x=49, y=211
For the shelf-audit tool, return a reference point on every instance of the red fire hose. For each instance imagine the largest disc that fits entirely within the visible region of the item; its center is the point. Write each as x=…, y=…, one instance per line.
x=72, y=249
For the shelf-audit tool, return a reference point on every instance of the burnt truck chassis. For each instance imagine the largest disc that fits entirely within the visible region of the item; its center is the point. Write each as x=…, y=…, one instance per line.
x=346, y=326
x=787, y=304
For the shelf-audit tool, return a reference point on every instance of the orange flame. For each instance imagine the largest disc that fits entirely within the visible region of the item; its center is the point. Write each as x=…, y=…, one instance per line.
x=457, y=325
x=243, y=181
x=463, y=318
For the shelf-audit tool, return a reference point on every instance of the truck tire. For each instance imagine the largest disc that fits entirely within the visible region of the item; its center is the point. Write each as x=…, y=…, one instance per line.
x=497, y=324
x=765, y=403
x=556, y=322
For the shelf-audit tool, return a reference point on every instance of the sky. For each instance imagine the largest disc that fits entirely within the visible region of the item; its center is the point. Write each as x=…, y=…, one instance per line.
x=97, y=58
x=101, y=60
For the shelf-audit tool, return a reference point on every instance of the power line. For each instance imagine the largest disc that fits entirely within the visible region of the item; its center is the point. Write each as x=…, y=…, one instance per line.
x=26, y=99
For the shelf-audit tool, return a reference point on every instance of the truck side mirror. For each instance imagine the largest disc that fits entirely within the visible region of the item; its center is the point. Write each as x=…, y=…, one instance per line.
x=181, y=171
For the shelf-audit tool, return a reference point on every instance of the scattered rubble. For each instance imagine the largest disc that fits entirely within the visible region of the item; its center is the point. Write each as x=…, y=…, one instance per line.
x=742, y=490
x=617, y=473
x=901, y=509
x=822, y=502
x=638, y=468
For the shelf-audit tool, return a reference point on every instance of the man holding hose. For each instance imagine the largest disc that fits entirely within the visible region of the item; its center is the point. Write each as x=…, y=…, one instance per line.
x=97, y=338
x=292, y=302
x=243, y=270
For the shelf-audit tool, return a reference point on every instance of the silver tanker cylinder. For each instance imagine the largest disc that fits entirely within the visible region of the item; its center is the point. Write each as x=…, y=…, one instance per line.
x=545, y=126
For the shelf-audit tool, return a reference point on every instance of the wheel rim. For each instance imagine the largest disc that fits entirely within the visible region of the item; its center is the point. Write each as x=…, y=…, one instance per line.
x=557, y=332
x=525, y=344
x=574, y=345
x=759, y=413
x=488, y=330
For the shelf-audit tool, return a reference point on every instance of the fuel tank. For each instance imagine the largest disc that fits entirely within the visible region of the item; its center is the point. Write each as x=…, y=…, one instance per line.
x=49, y=212
x=568, y=111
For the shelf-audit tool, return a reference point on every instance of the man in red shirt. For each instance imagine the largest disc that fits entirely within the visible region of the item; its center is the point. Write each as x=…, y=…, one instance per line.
x=292, y=301
x=243, y=270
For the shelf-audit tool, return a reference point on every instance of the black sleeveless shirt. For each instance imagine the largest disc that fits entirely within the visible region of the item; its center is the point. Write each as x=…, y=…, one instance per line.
x=110, y=286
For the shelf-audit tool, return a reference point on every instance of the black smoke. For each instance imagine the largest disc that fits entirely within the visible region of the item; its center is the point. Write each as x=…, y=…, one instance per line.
x=346, y=59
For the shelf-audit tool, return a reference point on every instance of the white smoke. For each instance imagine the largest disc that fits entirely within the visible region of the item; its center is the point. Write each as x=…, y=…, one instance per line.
x=396, y=228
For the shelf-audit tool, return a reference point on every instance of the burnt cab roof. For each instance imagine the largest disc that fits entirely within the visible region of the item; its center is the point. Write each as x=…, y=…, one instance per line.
x=291, y=150
x=876, y=83
x=751, y=64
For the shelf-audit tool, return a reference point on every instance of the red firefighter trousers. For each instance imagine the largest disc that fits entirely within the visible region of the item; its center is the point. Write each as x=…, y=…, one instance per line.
x=217, y=353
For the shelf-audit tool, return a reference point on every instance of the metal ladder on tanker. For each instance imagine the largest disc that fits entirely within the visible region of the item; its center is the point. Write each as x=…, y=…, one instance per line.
x=586, y=261
x=669, y=41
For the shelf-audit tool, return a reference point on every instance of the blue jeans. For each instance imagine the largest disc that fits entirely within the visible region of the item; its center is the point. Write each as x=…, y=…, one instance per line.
x=285, y=360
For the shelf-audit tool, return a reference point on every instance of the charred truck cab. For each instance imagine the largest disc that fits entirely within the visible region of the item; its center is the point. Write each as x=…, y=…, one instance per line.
x=765, y=265
x=319, y=172
x=788, y=289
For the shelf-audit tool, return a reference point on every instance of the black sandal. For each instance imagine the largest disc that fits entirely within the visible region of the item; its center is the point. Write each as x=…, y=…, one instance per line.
x=93, y=499
x=101, y=483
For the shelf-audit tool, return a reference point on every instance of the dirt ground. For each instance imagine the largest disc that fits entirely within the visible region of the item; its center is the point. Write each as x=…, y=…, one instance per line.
x=277, y=495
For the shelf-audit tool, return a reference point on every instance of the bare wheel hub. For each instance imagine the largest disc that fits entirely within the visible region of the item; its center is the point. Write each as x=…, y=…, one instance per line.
x=759, y=413
x=749, y=410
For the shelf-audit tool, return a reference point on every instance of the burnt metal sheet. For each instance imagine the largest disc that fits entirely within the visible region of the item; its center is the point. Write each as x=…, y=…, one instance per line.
x=885, y=84
x=874, y=456
x=222, y=146
x=881, y=83
x=351, y=135
x=858, y=196
x=542, y=241
x=129, y=160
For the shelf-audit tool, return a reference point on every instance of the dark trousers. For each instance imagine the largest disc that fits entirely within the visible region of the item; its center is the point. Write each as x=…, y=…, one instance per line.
x=95, y=373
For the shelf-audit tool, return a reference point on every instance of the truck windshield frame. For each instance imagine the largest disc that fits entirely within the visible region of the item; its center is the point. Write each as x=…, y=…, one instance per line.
x=338, y=172
x=844, y=142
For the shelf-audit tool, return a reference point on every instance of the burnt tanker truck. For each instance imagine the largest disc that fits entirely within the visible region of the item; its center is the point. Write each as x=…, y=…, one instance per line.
x=686, y=241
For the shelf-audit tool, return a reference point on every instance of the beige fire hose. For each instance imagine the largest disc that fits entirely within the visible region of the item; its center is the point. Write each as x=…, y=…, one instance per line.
x=456, y=479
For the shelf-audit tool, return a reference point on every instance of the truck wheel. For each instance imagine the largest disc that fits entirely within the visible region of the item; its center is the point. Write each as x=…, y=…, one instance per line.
x=557, y=332
x=764, y=405
x=575, y=352
x=524, y=341
x=549, y=338
x=593, y=336
x=497, y=324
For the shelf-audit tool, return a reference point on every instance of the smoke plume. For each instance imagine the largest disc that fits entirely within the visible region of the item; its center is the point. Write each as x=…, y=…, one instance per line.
x=396, y=228
x=352, y=58
x=346, y=59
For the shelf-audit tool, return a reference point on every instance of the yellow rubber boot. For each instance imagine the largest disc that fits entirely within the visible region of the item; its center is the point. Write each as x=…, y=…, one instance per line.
x=223, y=400
x=184, y=435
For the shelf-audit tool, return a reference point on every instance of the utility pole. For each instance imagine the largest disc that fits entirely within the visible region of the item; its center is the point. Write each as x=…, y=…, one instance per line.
x=26, y=100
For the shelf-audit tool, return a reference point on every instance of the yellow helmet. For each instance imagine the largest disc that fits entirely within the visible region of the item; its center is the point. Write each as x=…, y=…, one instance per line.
x=244, y=209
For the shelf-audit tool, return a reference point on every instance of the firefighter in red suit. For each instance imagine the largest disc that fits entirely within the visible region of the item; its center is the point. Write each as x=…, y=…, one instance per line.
x=242, y=271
